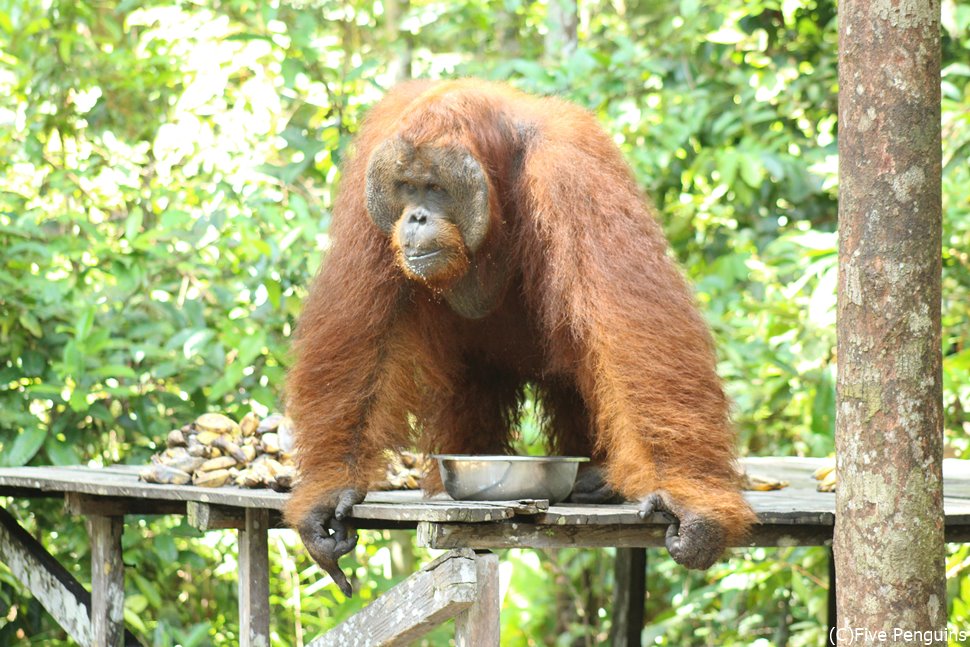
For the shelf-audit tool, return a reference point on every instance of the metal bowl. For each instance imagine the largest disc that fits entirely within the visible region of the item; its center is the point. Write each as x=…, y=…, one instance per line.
x=508, y=478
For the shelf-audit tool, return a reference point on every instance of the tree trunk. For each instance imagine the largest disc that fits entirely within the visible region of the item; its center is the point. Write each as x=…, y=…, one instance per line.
x=562, y=22
x=889, y=550
x=400, y=42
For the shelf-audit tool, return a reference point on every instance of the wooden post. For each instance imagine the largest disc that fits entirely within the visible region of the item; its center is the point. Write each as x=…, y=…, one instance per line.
x=479, y=625
x=254, y=579
x=107, y=581
x=629, y=598
x=889, y=550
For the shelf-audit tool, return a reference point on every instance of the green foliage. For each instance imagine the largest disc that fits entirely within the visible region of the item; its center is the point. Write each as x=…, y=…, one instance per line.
x=166, y=174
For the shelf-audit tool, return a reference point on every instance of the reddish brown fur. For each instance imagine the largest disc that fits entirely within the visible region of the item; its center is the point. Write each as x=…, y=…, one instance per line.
x=597, y=317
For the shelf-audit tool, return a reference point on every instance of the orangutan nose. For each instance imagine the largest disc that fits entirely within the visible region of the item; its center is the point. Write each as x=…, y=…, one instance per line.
x=419, y=233
x=418, y=217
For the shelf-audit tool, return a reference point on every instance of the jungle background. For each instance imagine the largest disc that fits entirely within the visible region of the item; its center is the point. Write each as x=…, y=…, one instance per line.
x=166, y=179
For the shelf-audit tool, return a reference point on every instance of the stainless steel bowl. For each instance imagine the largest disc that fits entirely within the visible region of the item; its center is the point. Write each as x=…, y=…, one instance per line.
x=508, y=478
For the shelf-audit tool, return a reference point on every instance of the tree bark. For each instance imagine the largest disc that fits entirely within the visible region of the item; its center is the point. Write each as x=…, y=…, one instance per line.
x=562, y=22
x=889, y=549
x=400, y=42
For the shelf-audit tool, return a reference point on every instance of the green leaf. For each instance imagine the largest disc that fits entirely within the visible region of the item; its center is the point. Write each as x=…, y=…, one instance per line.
x=64, y=47
x=165, y=547
x=689, y=8
x=24, y=447
x=114, y=370
x=73, y=359
x=273, y=292
x=84, y=323
x=229, y=380
x=148, y=588
x=728, y=166
x=290, y=236
x=61, y=452
x=78, y=400
x=197, y=636
x=30, y=322
x=133, y=223
x=196, y=342
x=133, y=618
x=752, y=172
x=823, y=405
x=52, y=391
x=250, y=348
x=33, y=363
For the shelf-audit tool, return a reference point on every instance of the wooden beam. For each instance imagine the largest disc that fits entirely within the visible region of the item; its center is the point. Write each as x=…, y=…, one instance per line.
x=107, y=581
x=958, y=534
x=254, y=579
x=436, y=593
x=210, y=516
x=26, y=492
x=215, y=516
x=479, y=625
x=629, y=597
x=57, y=591
x=522, y=535
x=85, y=504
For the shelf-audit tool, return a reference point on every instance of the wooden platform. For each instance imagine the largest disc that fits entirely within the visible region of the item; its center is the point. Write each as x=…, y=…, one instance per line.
x=796, y=515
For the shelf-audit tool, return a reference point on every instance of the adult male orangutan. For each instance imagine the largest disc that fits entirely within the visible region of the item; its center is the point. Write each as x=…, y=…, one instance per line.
x=483, y=240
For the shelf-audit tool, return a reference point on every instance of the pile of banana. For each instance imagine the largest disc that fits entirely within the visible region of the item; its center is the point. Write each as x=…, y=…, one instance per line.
x=826, y=477
x=215, y=450
x=404, y=471
x=761, y=483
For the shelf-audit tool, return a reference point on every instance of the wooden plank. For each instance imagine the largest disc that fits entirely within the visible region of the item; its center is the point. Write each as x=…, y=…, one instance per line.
x=436, y=593
x=524, y=535
x=208, y=516
x=254, y=580
x=410, y=505
x=957, y=511
x=451, y=511
x=122, y=483
x=956, y=478
x=107, y=581
x=797, y=504
x=48, y=582
x=570, y=514
x=629, y=596
x=479, y=625
x=85, y=504
x=802, y=507
x=106, y=482
x=418, y=496
x=778, y=507
x=798, y=472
